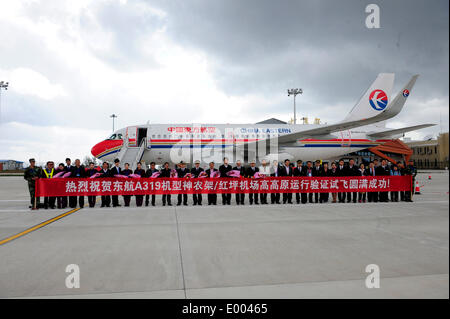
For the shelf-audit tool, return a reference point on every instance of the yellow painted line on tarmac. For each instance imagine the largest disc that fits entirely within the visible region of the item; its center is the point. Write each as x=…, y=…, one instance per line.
x=31, y=229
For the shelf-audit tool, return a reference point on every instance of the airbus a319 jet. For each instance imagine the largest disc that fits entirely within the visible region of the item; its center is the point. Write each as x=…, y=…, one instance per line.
x=364, y=127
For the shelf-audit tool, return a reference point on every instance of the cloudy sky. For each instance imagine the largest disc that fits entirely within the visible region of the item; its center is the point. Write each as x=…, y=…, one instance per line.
x=71, y=64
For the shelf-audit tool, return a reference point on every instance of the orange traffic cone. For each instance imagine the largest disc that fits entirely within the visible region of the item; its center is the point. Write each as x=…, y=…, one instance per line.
x=417, y=190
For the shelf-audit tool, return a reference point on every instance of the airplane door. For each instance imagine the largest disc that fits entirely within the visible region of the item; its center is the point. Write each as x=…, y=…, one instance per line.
x=346, y=139
x=132, y=135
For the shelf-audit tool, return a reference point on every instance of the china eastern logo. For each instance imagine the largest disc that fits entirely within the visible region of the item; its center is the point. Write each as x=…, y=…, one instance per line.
x=405, y=93
x=378, y=100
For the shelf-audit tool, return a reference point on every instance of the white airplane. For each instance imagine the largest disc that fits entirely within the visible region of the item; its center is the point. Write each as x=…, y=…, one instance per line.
x=364, y=127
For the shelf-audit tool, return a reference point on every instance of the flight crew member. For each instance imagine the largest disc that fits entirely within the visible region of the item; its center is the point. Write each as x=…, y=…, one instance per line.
x=317, y=172
x=78, y=171
x=141, y=172
x=149, y=173
x=32, y=173
x=91, y=171
x=105, y=173
x=362, y=172
x=59, y=199
x=127, y=172
x=383, y=170
x=165, y=173
x=333, y=173
x=224, y=169
x=195, y=172
x=371, y=171
x=116, y=170
x=341, y=171
x=412, y=169
x=286, y=170
x=264, y=169
x=325, y=173
x=49, y=172
x=240, y=197
x=274, y=172
x=250, y=172
x=352, y=170
x=67, y=168
x=181, y=172
x=401, y=167
x=299, y=171
x=409, y=170
x=212, y=197
x=309, y=173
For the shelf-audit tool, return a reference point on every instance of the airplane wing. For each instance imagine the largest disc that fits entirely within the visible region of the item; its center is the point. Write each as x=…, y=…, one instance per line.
x=389, y=133
x=371, y=109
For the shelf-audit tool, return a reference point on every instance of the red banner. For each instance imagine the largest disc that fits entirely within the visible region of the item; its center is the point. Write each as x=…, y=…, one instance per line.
x=143, y=186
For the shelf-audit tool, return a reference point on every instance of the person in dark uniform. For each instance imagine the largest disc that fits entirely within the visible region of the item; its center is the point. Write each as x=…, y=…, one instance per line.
x=409, y=170
x=413, y=170
x=32, y=173
x=127, y=172
x=333, y=173
x=224, y=169
x=299, y=171
x=394, y=172
x=105, y=173
x=116, y=170
x=286, y=171
x=325, y=173
x=341, y=171
x=165, y=173
x=309, y=172
x=371, y=171
x=274, y=172
x=212, y=197
x=240, y=197
x=68, y=168
x=317, y=172
x=49, y=172
x=195, y=172
x=181, y=172
x=149, y=173
x=78, y=171
x=362, y=172
x=401, y=167
x=250, y=172
x=383, y=170
x=91, y=171
x=59, y=199
x=350, y=171
x=141, y=172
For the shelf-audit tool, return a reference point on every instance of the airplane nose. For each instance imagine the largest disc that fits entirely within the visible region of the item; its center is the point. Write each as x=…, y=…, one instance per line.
x=106, y=147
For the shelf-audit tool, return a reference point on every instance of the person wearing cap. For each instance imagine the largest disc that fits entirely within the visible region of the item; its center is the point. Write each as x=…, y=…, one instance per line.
x=300, y=171
x=224, y=169
x=141, y=172
x=181, y=173
x=249, y=174
x=195, y=172
x=165, y=173
x=341, y=172
x=212, y=197
x=317, y=172
x=49, y=172
x=31, y=174
x=149, y=173
x=286, y=171
x=116, y=170
x=240, y=197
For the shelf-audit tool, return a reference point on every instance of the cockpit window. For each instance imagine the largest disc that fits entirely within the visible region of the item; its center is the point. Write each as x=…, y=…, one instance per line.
x=112, y=137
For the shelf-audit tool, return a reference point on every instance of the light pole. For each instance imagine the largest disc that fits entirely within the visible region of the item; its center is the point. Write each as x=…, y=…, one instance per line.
x=3, y=85
x=113, y=117
x=294, y=92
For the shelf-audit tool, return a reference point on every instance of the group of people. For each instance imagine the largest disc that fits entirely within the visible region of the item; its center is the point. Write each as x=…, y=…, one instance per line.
x=316, y=169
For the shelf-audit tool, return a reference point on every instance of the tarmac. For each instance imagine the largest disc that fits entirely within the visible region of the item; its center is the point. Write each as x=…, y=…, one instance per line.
x=264, y=251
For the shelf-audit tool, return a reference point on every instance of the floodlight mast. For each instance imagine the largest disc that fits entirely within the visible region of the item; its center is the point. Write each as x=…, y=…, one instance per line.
x=294, y=92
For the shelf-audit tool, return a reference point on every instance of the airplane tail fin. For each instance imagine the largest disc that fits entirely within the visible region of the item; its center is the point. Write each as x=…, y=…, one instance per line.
x=374, y=100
